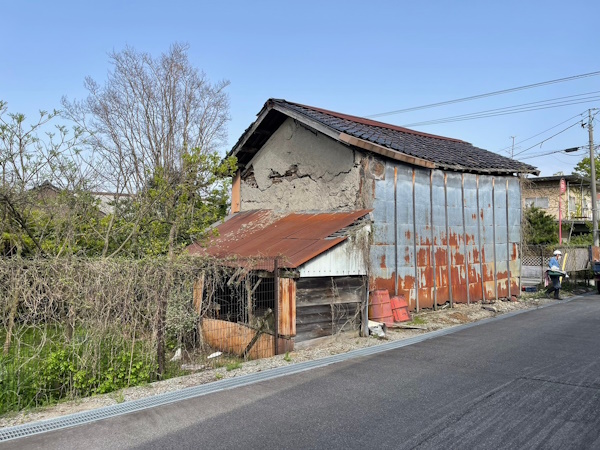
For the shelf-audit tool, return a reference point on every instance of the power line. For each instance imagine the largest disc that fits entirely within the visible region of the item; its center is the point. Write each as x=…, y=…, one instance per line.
x=547, y=139
x=537, y=155
x=489, y=94
x=516, y=109
x=542, y=132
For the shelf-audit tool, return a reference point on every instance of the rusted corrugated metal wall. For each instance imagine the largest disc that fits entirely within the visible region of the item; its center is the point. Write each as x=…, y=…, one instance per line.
x=445, y=236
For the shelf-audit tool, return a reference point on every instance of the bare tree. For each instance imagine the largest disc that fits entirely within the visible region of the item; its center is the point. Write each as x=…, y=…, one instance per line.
x=155, y=125
x=149, y=113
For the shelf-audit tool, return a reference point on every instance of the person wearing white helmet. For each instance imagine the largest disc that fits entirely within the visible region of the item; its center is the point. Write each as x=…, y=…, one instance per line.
x=554, y=272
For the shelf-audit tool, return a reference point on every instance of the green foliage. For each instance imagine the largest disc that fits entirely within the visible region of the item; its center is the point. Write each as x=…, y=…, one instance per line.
x=287, y=357
x=233, y=366
x=582, y=239
x=583, y=167
x=65, y=371
x=417, y=321
x=539, y=227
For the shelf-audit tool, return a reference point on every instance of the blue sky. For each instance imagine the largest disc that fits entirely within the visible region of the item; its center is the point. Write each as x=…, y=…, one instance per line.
x=355, y=57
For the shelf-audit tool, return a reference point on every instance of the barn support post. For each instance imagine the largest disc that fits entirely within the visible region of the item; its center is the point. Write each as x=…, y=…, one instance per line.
x=395, y=231
x=414, y=212
x=448, y=250
x=462, y=192
x=365, y=313
x=432, y=253
x=508, y=245
x=494, y=237
x=276, y=305
x=480, y=244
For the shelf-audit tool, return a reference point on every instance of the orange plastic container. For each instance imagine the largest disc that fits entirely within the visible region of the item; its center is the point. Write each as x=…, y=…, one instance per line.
x=380, y=309
x=400, y=309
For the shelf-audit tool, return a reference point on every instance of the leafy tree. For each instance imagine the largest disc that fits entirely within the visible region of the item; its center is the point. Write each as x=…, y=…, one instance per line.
x=34, y=159
x=583, y=167
x=539, y=227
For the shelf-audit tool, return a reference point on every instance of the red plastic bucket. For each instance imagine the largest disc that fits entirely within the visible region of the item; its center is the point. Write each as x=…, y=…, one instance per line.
x=380, y=309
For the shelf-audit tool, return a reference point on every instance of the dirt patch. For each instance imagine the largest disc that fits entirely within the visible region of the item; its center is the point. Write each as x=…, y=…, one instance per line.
x=423, y=322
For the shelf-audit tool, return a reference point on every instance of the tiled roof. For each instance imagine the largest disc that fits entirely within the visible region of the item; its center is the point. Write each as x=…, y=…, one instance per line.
x=296, y=238
x=446, y=153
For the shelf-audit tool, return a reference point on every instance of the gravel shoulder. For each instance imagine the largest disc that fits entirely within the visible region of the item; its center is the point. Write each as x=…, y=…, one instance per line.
x=423, y=322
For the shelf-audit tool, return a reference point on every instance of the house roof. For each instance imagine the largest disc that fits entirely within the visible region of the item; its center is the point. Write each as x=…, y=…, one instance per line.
x=388, y=140
x=572, y=178
x=296, y=238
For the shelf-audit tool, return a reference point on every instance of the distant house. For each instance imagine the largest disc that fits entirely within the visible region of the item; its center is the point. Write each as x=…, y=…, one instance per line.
x=575, y=203
x=46, y=192
x=444, y=214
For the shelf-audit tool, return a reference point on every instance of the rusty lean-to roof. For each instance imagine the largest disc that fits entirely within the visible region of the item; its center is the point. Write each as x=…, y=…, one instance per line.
x=441, y=152
x=295, y=238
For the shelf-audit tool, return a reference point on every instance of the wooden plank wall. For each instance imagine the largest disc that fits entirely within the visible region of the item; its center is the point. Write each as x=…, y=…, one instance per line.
x=327, y=305
x=287, y=307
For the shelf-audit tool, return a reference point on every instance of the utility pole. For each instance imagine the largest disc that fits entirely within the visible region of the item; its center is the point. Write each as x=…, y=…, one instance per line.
x=512, y=151
x=593, y=173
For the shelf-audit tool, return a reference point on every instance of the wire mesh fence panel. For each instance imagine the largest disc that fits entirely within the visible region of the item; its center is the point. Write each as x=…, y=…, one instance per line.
x=238, y=308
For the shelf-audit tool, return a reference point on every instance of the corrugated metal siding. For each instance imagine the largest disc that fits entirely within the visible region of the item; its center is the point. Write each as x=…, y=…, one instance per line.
x=454, y=237
x=423, y=237
x=472, y=236
x=407, y=283
x=347, y=258
x=440, y=240
x=501, y=232
x=514, y=233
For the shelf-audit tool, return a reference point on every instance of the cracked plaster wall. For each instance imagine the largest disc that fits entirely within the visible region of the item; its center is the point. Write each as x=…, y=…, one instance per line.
x=298, y=169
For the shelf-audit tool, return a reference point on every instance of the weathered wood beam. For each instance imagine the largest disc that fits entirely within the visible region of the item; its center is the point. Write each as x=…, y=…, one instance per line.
x=384, y=151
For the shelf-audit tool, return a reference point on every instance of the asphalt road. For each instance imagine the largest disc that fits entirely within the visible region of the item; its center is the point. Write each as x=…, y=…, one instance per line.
x=527, y=381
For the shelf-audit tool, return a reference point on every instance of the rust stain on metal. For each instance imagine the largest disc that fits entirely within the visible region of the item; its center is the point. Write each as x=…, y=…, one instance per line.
x=296, y=237
x=514, y=287
x=488, y=272
x=475, y=291
x=459, y=260
x=514, y=252
x=382, y=262
x=426, y=297
x=406, y=283
x=381, y=283
x=408, y=235
x=454, y=240
x=441, y=257
x=459, y=293
x=424, y=240
x=443, y=295
x=423, y=257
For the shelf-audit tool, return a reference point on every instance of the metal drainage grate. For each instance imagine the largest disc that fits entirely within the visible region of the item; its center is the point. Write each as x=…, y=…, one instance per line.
x=106, y=412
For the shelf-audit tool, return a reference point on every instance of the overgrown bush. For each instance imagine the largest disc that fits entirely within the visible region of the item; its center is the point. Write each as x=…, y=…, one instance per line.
x=77, y=327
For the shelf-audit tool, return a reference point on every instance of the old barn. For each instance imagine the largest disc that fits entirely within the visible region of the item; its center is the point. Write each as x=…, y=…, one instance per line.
x=444, y=217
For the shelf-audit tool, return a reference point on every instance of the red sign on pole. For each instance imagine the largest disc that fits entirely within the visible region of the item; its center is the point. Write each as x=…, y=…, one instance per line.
x=563, y=186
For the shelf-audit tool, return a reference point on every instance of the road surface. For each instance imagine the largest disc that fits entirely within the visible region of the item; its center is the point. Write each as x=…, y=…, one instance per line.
x=527, y=381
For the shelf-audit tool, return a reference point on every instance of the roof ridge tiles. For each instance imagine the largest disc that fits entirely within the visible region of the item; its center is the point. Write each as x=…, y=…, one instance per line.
x=369, y=122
